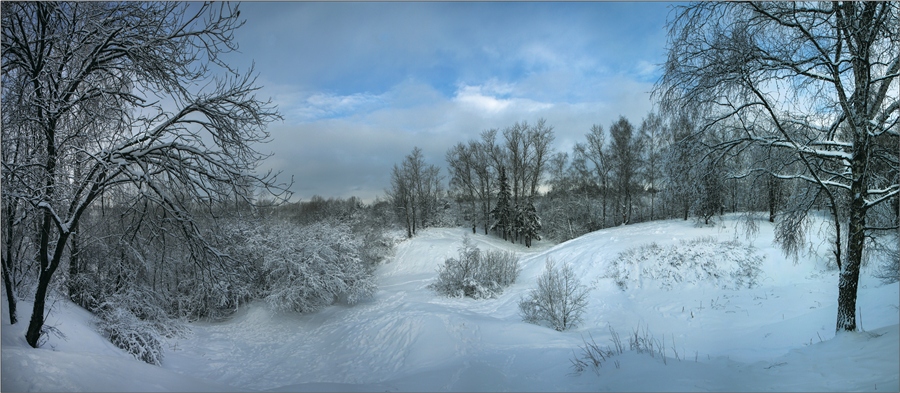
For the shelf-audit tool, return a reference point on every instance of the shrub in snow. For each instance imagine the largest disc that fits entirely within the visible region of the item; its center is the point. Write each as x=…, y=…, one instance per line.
x=558, y=300
x=475, y=274
x=377, y=245
x=725, y=264
x=313, y=266
x=131, y=320
x=125, y=330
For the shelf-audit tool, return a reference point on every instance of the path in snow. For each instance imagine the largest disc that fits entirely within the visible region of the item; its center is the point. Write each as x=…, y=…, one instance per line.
x=777, y=336
x=408, y=338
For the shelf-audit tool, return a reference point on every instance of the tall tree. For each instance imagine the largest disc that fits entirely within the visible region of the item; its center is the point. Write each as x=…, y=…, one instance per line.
x=401, y=196
x=112, y=88
x=484, y=175
x=531, y=222
x=679, y=160
x=460, y=160
x=625, y=150
x=595, y=152
x=540, y=137
x=503, y=211
x=652, y=135
x=817, y=80
x=415, y=191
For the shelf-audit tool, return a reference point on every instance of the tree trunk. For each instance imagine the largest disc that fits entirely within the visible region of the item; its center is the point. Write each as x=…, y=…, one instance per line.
x=772, y=197
x=486, y=213
x=7, y=260
x=849, y=276
x=37, y=314
x=48, y=267
x=409, y=233
x=10, y=294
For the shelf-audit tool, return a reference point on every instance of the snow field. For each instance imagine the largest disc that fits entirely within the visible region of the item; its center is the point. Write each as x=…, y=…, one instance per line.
x=778, y=335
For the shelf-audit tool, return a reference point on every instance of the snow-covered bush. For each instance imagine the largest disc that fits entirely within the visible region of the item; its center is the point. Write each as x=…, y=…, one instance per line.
x=728, y=264
x=312, y=266
x=125, y=330
x=377, y=245
x=475, y=274
x=132, y=320
x=558, y=300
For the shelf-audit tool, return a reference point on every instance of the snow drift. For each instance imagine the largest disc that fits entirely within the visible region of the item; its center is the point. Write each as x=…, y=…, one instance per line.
x=777, y=335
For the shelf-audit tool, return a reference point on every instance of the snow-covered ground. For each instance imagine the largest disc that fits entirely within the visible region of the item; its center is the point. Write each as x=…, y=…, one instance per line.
x=777, y=336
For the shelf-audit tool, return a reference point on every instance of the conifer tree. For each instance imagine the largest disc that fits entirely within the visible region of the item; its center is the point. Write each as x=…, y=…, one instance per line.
x=502, y=212
x=531, y=223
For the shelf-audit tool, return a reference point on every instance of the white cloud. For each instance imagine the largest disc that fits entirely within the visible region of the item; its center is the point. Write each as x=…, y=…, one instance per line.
x=493, y=98
x=310, y=106
x=473, y=98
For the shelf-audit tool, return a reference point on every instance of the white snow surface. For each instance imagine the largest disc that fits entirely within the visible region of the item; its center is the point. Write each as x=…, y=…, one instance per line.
x=778, y=336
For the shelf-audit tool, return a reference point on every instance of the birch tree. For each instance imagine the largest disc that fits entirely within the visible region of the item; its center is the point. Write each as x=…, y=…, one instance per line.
x=624, y=154
x=652, y=131
x=138, y=97
x=816, y=80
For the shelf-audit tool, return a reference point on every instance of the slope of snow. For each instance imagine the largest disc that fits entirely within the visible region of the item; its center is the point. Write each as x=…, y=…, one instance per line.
x=82, y=360
x=776, y=336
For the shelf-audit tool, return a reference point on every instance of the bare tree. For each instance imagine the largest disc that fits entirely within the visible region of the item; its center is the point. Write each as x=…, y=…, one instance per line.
x=818, y=80
x=624, y=154
x=528, y=149
x=595, y=151
x=401, y=196
x=415, y=191
x=484, y=174
x=136, y=95
x=652, y=133
x=460, y=160
x=540, y=137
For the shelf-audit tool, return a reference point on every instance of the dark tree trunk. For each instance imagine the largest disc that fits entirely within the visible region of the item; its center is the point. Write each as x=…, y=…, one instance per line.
x=8, y=259
x=10, y=294
x=36, y=324
x=773, y=196
x=849, y=275
x=48, y=267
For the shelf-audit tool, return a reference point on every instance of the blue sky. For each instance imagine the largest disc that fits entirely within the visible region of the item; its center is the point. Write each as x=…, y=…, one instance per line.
x=360, y=84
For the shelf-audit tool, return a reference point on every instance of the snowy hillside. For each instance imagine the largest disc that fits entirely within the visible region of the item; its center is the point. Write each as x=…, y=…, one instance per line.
x=778, y=335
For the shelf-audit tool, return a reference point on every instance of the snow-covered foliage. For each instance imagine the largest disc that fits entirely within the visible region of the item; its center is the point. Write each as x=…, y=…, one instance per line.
x=312, y=266
x=476, y=274
x=133, y=321
x=503, y=211
x=559, y=299
x=728, y=264
x=407, y=339
x=528, y=223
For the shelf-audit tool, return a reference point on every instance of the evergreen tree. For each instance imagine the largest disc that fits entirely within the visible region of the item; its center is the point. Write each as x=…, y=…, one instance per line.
x=531, y=223
x=502, y=213
x=518, y=230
